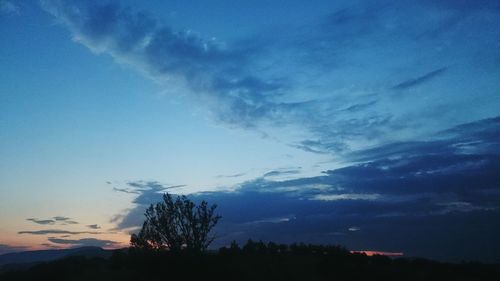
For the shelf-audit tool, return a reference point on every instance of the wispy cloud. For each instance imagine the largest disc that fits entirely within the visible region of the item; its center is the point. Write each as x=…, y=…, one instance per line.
x=56, y=231
x=354, y=228
x=283, y=219
x=55, y=220
x=282, y=172
x=93, y=226
x=124, y=190
x=84, y=242
x=232, y=176
x=204, y=65
x=38, y=221
x=146, y=189
x=9, y=7
x=51, y=246
x=334, y=79
x=61, y=218
x=419, y=80
x=347, y=196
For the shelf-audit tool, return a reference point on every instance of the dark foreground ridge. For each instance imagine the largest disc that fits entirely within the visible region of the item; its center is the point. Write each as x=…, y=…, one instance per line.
x=254, y=261
x=21, y=259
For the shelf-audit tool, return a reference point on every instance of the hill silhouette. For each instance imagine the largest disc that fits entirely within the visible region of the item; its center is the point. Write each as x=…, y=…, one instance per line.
x=253, y=261
x=23, y=260
x=48, y=255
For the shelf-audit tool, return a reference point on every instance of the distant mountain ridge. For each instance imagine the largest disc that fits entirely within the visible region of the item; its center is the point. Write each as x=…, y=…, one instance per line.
x=31, y=257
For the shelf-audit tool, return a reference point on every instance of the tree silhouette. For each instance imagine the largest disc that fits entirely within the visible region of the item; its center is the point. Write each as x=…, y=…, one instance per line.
x=177, y=225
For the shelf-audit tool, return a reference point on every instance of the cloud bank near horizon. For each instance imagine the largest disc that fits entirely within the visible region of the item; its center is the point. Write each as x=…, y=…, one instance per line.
x=424, y=191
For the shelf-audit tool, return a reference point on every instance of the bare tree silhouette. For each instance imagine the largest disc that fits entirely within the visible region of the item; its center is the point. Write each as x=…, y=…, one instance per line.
x=176, y=225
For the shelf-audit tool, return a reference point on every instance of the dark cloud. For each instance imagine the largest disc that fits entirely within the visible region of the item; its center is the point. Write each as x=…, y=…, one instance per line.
x=419, y=80
x=282, y=172
x=420, y=190
x=148, y=190
x=391, y=226
x=84, y=242
x=151, y=185
x=38, y=221
x=61, y=218
x=49, y=245
x=56, y=231
x=475, y=138
x=55, y=220
x=124, y=190
x=93, y=226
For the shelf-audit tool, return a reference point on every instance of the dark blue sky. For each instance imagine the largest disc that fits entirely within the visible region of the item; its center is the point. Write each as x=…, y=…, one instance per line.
x=371, y=124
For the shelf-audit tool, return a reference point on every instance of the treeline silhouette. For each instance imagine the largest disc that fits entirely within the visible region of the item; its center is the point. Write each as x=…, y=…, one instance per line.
x=252, y=261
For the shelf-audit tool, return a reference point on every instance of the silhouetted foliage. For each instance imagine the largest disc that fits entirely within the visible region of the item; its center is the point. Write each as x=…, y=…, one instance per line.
x=177, y=224
x=253, y=261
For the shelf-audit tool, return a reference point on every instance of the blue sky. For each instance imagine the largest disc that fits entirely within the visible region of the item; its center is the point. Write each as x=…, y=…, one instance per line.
x=373, y=124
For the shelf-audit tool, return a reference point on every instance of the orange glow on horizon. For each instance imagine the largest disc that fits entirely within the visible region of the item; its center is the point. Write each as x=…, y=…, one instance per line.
x=373, y=253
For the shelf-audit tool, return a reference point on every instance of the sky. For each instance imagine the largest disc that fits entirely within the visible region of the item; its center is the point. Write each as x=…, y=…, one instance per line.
x=370, y=124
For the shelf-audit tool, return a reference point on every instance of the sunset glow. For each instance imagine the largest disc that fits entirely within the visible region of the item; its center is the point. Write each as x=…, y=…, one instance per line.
x=373, y=253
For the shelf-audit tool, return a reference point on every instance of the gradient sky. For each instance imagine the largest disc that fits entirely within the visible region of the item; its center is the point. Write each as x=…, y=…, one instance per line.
x=370, y=124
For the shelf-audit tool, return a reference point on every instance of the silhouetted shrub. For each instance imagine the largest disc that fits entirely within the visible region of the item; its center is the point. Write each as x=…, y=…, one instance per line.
x=177, y=224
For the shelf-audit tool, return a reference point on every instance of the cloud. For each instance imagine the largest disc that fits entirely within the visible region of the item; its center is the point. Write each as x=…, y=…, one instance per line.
x=56, y=231
x=93, y=226
x=394, y=193
x=232, y=176
x=55, y=220
x=49, y=245
x=419, y=80
x=347, y=196
x=419, y=178
x=409, y=166
x=146, y=190
x=136, y=187
x=282, y=219
x=332, y=79
x=61, y=218
x=204, y=65
x=38, y=221
x=147, y=193
x=9, y=8
x=124, y=190
x=84, y=242
x=282, y=172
